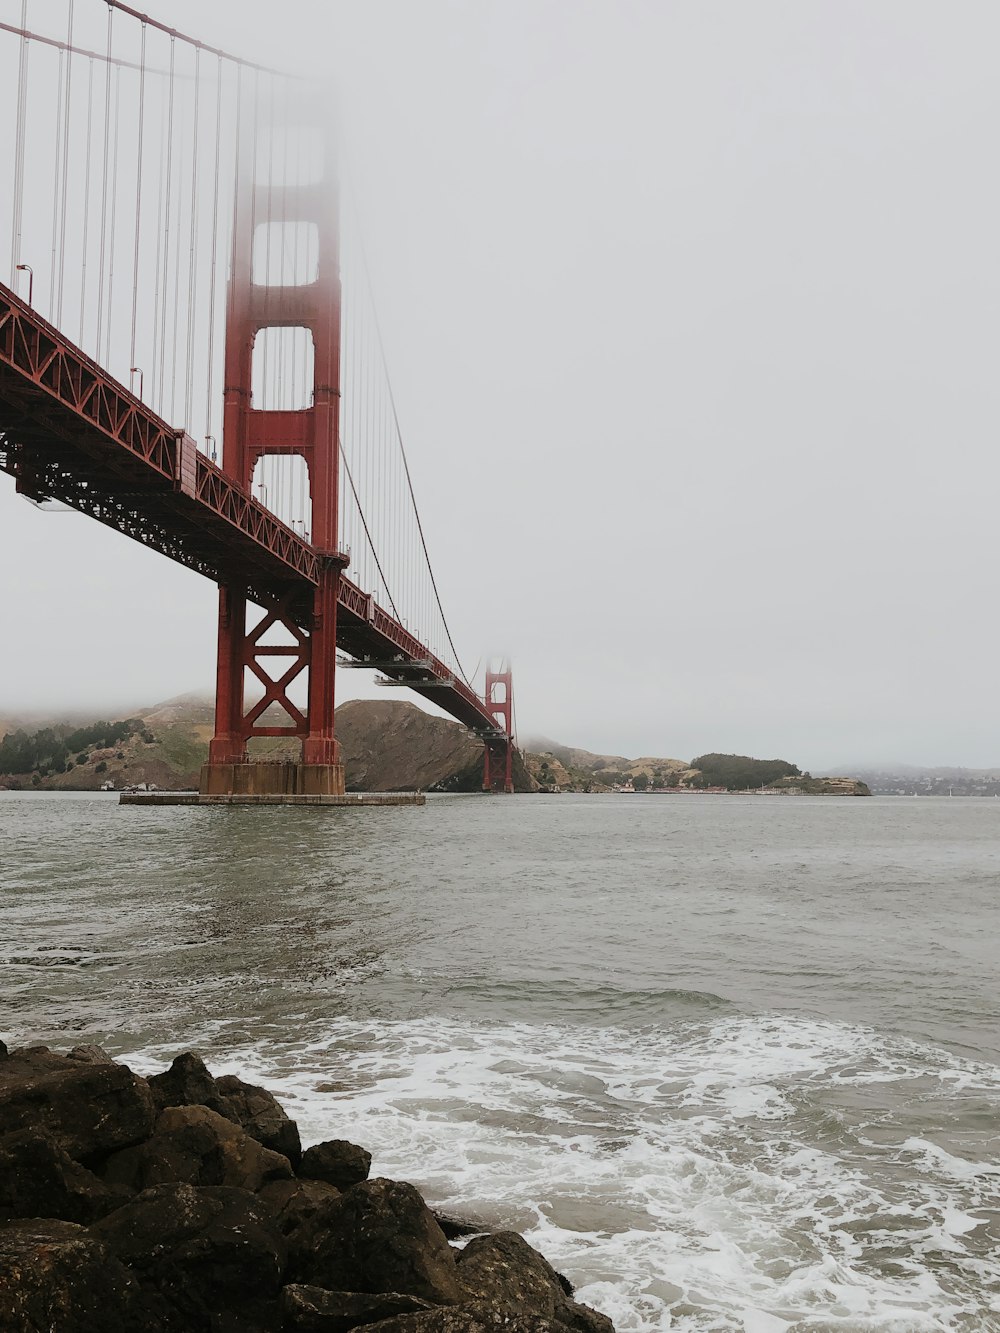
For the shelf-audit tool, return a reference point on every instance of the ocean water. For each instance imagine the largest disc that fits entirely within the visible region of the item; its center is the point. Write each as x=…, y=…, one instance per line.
x=732, y=1064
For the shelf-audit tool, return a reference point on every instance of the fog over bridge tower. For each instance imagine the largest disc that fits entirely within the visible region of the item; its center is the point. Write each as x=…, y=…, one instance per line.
x=284, y=306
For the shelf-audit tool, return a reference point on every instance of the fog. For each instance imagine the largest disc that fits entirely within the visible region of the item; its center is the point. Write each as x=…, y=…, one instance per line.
x=691, y=316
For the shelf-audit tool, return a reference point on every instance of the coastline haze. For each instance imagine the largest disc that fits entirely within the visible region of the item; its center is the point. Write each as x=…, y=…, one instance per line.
x=712, y=291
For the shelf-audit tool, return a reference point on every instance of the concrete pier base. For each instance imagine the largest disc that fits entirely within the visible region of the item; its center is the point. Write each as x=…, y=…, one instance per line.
x=272, y=777
x=350, y=800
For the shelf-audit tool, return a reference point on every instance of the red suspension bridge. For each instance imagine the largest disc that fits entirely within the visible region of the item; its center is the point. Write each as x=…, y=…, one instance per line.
x=184, y=274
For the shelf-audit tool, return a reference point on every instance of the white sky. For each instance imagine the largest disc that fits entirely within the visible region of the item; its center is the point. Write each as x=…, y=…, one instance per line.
x=691, y=310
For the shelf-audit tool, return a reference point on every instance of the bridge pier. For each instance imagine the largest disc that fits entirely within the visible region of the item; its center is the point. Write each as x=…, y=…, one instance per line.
x=274, y=778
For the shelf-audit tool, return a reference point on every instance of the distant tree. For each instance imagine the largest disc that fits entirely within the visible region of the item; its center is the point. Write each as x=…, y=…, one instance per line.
x=740, y=772
x=83, y=758
x=640, y=782
x=101, y=767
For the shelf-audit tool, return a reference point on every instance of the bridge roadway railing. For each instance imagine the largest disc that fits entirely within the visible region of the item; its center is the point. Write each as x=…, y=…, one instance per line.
x=70, y=432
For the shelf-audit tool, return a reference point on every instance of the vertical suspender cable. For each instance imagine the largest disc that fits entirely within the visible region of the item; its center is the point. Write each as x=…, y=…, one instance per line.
x=104, y=183
x=212, y=294
x=65, y=163
x=86, y=198
x=114, y=220
x=56, y=156
x=175, y=322
x=193, y=245
x=22, y=116
x=161, y=406
x=138, y=193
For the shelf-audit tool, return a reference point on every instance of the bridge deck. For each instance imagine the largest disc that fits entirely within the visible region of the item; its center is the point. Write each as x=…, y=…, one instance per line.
x=70, y=432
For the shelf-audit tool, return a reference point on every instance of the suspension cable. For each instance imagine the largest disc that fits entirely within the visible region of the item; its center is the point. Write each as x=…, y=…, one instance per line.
x=406, y=465
x=364, y=524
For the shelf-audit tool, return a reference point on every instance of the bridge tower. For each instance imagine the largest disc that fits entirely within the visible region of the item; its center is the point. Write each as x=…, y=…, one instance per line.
x=498, y=752
x=256, y=304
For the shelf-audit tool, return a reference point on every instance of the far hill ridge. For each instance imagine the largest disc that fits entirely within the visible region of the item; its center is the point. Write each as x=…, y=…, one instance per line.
x=387, y=745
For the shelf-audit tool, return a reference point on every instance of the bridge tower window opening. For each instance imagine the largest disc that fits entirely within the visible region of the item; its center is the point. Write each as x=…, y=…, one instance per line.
x=283, y=369
x=285, y=254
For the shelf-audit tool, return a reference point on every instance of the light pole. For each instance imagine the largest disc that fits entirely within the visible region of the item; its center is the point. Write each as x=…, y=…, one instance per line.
x=26, y=268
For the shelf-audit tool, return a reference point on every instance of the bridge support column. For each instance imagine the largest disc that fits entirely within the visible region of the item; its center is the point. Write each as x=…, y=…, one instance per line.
x=261, y=304
x=498, y=754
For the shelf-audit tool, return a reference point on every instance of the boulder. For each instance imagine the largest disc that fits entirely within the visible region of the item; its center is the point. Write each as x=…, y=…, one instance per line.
x=215, y=1244
x=91, y=1055
x=337, y=1162
x=186, y=1083
x=296, y=1201
x=454, y=1227
x=54, y=1276
x=196, y=1146
x=3, y=1050
x=313, y=1310
x=467, y=1319
x=91, y=1109
x=504, y=1271
x=503, y=1268
x=379, y=1236
x=582, y=1319
x=38, y=1178
x=261, y=1116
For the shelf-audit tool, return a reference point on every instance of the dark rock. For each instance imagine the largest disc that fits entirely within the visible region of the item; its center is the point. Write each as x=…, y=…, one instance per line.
x=313, y=1310
x=261, y=1116
x=378, y=1236
x=3, y=1050
x=454, y=1228
x=54, y=1276
x=582, y=1319
x=216, y=1244
x=38, y=1178
x=337, y=1162
x=467, y=1319
x=91, y=1109
x=296, y=1201
x=186, y=1083
x=91, y=1055
x=195, y=1146
x=503, y=1268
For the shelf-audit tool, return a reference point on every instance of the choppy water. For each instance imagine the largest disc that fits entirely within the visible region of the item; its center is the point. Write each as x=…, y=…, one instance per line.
x=733, y=1064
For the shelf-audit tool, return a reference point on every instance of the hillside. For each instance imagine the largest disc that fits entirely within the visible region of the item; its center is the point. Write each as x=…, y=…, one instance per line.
x=386, y=746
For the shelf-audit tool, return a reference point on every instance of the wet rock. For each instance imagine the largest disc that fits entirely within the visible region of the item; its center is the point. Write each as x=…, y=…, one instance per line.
x=467, y=1319
x=379, y=1236
x=91, y=1109
x=38, y=1178
x=503, y=1268
x=91, y=1055
x=3, y=1050
x=54, y=1276
x=313, y=1310
x=196, y=1146
x=261, y=1116
x=199, y=1248
x=296, y=1201
x=454, y=1228
x=582, y=1319
x=337, y=1162
x=186, y=1083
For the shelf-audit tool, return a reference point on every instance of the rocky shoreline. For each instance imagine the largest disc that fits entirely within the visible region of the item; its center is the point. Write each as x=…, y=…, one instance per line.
x=182, y=1203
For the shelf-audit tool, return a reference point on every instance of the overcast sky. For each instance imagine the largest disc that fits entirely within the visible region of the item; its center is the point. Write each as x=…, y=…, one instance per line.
x=691, y=311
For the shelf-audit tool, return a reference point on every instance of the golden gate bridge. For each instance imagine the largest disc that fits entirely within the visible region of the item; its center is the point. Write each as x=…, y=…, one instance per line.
x=190, y=354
